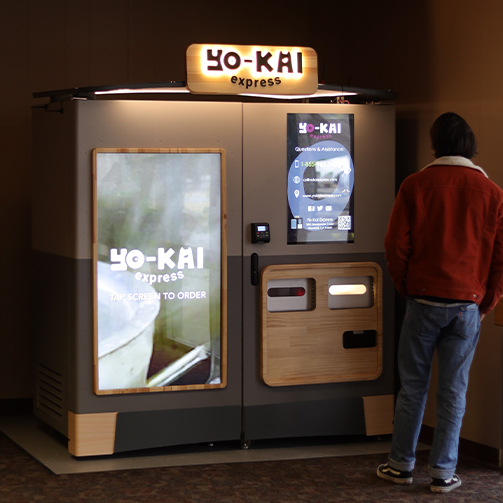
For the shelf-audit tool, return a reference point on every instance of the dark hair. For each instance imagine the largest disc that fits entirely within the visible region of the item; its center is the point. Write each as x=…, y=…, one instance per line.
x=451, y=135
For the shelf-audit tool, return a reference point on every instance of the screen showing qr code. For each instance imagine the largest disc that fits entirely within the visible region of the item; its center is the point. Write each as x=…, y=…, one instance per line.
x=320, y=178
x=344, y=223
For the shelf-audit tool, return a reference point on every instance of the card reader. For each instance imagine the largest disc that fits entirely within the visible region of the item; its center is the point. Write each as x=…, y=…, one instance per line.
x=260, y=233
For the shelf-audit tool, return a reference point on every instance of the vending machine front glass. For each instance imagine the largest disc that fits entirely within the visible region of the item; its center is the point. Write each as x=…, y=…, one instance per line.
x=159, y=270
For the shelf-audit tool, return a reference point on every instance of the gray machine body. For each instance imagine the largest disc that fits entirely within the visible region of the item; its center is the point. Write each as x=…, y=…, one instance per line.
x=253, y=136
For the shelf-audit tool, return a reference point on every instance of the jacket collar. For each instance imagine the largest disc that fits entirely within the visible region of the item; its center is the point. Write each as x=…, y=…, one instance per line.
x=452, y=160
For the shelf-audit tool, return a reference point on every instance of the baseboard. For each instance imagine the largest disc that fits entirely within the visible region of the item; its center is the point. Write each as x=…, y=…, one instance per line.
x=16, y=406
x=483, y=453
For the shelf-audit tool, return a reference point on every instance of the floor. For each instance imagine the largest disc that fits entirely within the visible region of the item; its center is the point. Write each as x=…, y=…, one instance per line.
x=50, y=449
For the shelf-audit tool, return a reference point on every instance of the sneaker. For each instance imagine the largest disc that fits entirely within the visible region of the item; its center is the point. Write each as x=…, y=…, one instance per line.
x=444, y=486
x=385, y=472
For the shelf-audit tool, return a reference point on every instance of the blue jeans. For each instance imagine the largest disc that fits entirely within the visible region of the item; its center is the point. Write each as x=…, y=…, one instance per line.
x=454, y=332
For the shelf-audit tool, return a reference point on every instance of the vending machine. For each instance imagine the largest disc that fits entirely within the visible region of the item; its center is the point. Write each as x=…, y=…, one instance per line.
x=211, y=270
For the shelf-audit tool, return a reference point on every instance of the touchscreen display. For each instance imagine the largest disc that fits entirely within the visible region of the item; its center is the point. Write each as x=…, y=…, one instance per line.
x=320, y=178
x=158, y=268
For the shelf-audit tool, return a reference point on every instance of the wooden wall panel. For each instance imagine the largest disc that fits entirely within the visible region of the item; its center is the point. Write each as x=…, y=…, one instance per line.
x=77, y=45
x=46, y=43
x=142, y=41
x=15, y=217
x=109, y=32
x=498, y=313
x=170, y=47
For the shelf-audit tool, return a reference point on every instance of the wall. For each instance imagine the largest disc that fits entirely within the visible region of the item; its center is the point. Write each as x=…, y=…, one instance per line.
x=435, y=57
x=453, y=65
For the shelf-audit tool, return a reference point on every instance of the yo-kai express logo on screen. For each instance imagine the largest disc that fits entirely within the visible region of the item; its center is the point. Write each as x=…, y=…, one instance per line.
x=169, y=261
x=322, y=128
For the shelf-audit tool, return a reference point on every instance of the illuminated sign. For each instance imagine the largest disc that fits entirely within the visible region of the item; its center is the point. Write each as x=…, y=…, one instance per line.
x=159, y=270
x=248, y=69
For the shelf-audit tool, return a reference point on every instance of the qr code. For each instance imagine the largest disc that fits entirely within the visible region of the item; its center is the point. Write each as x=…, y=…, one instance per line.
x=344, y=223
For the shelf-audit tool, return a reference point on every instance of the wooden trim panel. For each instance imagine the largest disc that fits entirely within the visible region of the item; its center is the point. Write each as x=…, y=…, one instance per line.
x=306, y=347
x=379, y=414
x=91, y=434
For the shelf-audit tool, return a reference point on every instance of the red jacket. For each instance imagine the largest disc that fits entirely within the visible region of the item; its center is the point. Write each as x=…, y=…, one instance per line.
x=445, y=234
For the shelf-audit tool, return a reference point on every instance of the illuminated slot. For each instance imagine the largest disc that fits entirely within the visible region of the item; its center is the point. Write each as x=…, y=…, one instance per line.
x=294, y=291
x=347, y=289
x=290, y=294
x=351, y=292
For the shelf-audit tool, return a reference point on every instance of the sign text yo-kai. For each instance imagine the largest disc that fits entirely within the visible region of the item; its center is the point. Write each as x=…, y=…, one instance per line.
x=230, y=69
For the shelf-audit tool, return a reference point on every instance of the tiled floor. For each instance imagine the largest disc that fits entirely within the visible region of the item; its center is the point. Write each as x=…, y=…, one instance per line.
x=51, y=450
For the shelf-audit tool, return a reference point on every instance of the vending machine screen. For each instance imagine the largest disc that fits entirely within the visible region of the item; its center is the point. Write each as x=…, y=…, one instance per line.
x=320, y=178
x=158, y=269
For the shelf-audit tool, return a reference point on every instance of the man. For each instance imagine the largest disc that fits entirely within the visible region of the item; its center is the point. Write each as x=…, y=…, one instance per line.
x=444, y=250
